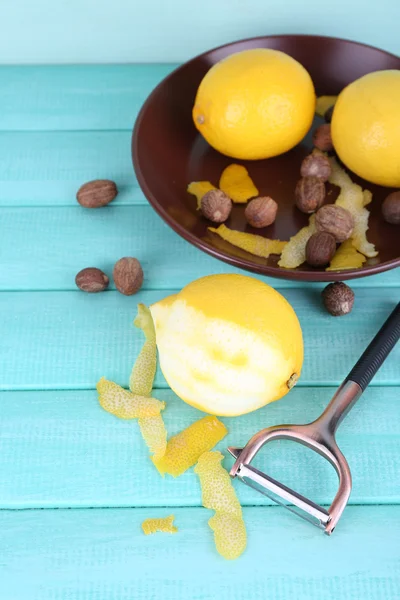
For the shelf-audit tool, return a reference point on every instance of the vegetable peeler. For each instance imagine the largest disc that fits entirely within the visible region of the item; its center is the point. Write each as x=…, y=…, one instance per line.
x=319, y=436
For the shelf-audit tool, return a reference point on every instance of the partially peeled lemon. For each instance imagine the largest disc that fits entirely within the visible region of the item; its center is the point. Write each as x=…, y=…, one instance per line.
x=228, y=344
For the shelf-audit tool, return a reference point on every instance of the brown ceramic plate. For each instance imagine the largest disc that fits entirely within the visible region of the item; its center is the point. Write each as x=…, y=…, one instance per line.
x=168, y=153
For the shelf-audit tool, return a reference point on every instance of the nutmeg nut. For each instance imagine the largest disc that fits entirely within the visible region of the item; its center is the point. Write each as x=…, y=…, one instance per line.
x=391, y=208
x=320, y=249
x=261, y=211
x=216, y=206
x=316, y=164
x=309, y=194
x=338, y=298
x=92, y=280
x=128, y=275
x=335, y=220
x=97, y=193
x=322, y=138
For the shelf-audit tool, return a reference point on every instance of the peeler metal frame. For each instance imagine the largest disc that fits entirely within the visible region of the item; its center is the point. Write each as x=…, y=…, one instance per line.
x=319, y=436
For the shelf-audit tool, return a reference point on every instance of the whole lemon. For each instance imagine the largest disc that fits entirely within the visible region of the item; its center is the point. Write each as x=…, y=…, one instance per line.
x=366, y=127
x=228, y=344
x=255, y=104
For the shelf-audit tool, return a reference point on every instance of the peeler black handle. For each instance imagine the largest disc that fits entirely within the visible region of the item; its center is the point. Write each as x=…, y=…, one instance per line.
x=376, y=353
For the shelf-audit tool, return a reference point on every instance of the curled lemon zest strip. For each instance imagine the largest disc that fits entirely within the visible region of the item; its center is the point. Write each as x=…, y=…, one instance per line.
x=144, y=370
x=218, y=494
x=294, y=253
x=125, y=405
x=367, y=197
x=152, y=427
x=154, y=434
x=353, y=199
x=185, y=448
x=252, y=243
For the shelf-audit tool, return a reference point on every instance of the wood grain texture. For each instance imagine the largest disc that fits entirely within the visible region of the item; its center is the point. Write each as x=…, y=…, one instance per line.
x=47, y=168
x=80, y=237
x=60, y=449
x=103, y=555
x=75, y=97
x=68, y=340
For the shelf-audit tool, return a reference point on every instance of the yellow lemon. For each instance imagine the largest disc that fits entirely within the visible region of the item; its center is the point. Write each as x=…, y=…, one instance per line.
x=255, y=104
x=228, y=344
x=366, y=127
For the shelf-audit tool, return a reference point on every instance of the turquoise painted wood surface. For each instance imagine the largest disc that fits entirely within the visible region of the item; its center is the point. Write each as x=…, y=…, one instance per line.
x=67, y=452
x=100, y=238
x=58, y=449
x=67, y=340
x=81, y=31
x=35, y=172
x=103, y=555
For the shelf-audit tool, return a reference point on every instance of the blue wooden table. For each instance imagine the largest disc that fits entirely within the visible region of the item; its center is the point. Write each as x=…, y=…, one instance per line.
x=76, y=483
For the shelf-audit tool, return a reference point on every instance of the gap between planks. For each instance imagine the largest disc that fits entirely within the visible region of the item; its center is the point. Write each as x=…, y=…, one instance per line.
x=171, y=507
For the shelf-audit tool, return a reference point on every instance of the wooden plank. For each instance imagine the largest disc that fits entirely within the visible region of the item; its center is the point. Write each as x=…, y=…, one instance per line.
x=67, y=340
x=47, y=168
x=98, y=554
x=60, y=449
x=79, y=237
x=75, y=97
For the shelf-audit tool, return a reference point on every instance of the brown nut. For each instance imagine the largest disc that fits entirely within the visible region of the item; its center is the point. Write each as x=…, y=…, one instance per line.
x=316, y=164
x=391, y=208
x=216, y=206
x=322, y=138
x=320, y=249
x=335, y=220
x=338, y=298
x=92, y=280
x=97, y=193
x=261, y=211
x=128, y=275
x=328, y=114
x=309, y=194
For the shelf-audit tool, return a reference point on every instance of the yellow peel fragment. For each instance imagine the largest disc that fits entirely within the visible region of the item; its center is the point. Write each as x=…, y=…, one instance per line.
x=353, y=199
x=198, y=189
x=367, y=197
x=294, y=253
x=218, y=494
x=236, y=182
x=323, y=103
x=154, y=434
x=185, y=448
x=125, y=405
x=216, y=485
x=346, y=257
x=254, y=244
x=229, y=535
x=141, y=380
x=144, y=369
x=165, y=525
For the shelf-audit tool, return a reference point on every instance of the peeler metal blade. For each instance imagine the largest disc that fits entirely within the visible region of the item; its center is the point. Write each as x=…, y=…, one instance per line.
x=279, y=493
